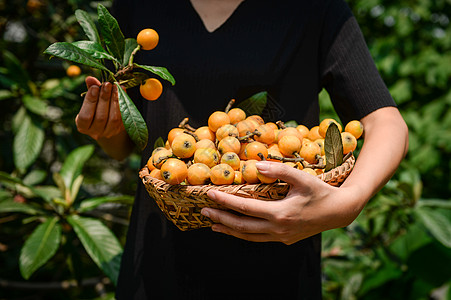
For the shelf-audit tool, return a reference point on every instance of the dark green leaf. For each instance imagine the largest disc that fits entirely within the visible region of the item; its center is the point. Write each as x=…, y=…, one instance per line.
x=133, y=121
x=100, y=243
x=111, y=33
x=136, y=79
x=35, y=104
x=40, y=247
x=74, y=163
x=160, y=71
x=88, y=25
x=94, y=49
x=27, y=143
x=333, y=147
x=16, y=73
x=90, y=204
x=255, y=104
x=130, y=45
x=71, y=52
x=11, y=206
x=159, y=143
x=437, y=224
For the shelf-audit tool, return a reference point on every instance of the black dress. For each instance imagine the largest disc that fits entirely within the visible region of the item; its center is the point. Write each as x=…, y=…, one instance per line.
x=291, y=49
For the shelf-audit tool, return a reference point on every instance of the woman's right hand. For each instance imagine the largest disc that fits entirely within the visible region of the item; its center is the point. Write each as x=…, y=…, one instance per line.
x=99, y=116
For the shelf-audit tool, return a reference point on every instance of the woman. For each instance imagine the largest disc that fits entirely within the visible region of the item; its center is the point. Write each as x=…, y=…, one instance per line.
x=218, y=50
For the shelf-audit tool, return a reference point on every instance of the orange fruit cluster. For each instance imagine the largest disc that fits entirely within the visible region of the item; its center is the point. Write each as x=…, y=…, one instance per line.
x=226, y=151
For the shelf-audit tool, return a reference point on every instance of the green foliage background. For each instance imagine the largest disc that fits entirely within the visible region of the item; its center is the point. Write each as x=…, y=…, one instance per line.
x=398, y=248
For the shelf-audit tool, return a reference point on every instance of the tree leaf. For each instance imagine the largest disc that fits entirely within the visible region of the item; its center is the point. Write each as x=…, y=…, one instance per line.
x=135, y=79
x=159, y=143
x=441, y=203
x=35, y=177
x=90, y=204
x=71, y=52
x=27, y=143
x=133, y=121
x=35, y=104
x=94, y=49
x=111, y=33
x=333, y=147
x=40, y=247
x=16, y=72
x=100, y=243
x=11, y=206
x=437, y=224
x=160, y=71
x=74, y=163
x=130, y=45
x=76, y=187
x=255, y=104
x=88, y=25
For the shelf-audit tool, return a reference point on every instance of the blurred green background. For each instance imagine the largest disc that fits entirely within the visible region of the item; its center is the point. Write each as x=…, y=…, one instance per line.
x=56, y=188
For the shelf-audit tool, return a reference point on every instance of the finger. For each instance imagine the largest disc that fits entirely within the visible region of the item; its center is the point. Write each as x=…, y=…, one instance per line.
x=246, y=206
x=243, y=224
x=102, y=111
x=114, y=124
x=252, y=237
x=285, y=173
x=88, y=109
x=90, y=81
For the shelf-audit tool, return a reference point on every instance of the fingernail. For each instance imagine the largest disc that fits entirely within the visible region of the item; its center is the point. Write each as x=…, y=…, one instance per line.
x=107, y=87
x=211, y=194
x=205, y=212
x=215, y=228
x=95, y=91
x=262, y=166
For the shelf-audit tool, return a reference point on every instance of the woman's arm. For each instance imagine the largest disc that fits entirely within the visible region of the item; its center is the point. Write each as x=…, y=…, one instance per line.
x=313, y=206
x=100, y=118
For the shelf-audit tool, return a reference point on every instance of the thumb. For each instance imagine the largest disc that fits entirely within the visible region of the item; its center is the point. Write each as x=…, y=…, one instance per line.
x=283, y=172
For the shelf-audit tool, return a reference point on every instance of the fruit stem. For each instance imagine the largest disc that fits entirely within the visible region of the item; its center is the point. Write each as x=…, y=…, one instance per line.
x=229, y=105
x=132, y=56
x=184, y=124
x=191, y=134
x=262, y=157
x=286, y=159
x=249, y=135
x=281, y=124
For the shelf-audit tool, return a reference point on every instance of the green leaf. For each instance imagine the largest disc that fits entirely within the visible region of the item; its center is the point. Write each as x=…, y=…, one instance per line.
x=90, y=204
x=35, y=177
x=111, y=33
x=88, y=25
x=333, y=147
x=16, y=72
x=76, y=187
x=133, y=121
x=441, y=203
x=437, y=224
x=40, y=247
x=94, y=49
x=35, y=104
x=130, y=45
x=159, y=143
x=135, y=79
x=100, y=243
x=160, y=71
x=74, y=163
x=11, y=206
x=5, y=94
x=71, y=52
x=255, y=104
x=27, y=143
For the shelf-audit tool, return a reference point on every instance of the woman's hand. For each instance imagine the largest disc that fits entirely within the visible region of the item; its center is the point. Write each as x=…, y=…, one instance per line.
x=100, y=118
x=310, y=207
x=313, y=206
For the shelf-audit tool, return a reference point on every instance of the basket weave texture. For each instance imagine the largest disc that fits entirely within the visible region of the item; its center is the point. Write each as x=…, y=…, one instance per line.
x=182, y=204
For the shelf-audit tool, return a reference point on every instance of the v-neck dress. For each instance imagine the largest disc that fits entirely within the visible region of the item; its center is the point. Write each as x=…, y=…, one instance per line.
x=292, y=49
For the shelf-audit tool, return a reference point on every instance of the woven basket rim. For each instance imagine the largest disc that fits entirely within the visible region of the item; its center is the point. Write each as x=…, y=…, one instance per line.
x=345, y=167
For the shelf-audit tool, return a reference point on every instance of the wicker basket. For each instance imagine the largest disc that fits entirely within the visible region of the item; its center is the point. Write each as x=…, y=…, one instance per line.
x=182, y=204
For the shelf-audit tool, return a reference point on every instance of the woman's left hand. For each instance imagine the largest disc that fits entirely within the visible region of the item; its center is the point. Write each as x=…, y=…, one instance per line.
x=310, y=207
